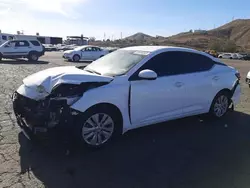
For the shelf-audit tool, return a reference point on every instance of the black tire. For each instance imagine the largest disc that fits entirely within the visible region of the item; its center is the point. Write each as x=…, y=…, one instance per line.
x=230, y=58
x=223, y=95
x=83, y=119
x=76, y=58
x=1, y=57
x=220, y=57
x=33, y=56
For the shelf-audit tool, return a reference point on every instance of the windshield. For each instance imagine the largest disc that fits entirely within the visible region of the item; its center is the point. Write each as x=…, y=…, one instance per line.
x=116, y=63
x=79, y=48
x=4, y=43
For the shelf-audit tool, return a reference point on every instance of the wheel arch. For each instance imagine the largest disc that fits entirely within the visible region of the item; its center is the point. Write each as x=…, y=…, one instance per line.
x=33, y=51
x=226, y=90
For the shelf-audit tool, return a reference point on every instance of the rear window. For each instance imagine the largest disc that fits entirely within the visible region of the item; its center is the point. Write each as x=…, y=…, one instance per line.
x=35, y=43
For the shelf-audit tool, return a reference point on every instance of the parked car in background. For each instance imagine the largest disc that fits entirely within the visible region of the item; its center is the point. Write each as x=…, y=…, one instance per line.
x=50, y=47
x=87, y=53
x=248, y=79
x=246, y=57
x=228, y=56
x=239, y=56
x=126, y=89
x=31, y=49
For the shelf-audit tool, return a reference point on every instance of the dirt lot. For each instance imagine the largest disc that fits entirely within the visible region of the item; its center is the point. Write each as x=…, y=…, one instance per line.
x=187, y=153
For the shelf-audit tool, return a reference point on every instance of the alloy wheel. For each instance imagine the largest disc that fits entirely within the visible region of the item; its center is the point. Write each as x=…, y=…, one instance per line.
x=98, y=129
x=221, y=105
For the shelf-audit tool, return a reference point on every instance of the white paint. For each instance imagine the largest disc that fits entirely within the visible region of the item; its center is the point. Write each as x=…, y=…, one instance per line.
x=152, y=101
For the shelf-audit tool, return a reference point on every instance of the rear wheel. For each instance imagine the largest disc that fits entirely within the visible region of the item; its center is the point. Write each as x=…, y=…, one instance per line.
x=33, y=56
x=98, y=126
x=1, y=57
x=220, y=105
x=76, y=58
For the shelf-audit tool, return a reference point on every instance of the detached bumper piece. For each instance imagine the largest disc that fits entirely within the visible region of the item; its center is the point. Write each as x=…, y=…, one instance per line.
x=37, y=118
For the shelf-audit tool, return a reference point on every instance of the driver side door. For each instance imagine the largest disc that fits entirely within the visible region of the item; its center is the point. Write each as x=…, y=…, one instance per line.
x=9, y=49
x=158, y=100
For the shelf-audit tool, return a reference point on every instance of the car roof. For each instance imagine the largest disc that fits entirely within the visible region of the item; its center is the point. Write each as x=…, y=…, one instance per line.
x=157, y=48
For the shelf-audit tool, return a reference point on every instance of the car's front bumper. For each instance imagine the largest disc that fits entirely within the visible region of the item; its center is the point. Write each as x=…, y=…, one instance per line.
x=66, y=56
x=37, y=118
x=236, y=92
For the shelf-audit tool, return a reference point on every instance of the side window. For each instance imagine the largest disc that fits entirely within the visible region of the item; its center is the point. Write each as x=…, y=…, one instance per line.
x=35, y=43
x=196, y=62
x=165, y=64
x=12, y=44
x=22, y=44
x=96, y=49
x=175, y=63
x=88, y=49
x=4, y=37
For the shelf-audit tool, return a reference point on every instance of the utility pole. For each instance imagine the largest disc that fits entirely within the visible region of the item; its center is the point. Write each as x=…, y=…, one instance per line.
x=121, y=35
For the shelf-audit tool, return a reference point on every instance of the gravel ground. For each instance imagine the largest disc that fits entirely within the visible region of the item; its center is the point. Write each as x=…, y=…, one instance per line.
x=186, y=153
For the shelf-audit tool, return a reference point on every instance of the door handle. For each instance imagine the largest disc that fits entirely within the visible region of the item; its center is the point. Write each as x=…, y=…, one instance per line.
x=179, y=84
x=216, y=78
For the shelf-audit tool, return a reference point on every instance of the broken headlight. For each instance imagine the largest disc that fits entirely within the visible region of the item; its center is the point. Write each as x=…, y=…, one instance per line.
x=68, y=92
x=73, y=92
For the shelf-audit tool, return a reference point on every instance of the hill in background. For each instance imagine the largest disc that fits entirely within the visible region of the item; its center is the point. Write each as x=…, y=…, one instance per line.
x=229, y=37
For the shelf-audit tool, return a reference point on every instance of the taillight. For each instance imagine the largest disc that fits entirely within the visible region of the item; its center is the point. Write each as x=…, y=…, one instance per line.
x=237, y=75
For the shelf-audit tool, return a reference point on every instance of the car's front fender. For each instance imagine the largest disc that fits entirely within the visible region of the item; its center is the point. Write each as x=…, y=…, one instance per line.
x=115, y=94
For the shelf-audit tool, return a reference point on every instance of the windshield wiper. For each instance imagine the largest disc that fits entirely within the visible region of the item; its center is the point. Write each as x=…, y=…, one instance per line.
x=92, y=71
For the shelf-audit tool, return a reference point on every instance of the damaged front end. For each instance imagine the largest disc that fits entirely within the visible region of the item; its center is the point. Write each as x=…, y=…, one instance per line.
x=36, y=117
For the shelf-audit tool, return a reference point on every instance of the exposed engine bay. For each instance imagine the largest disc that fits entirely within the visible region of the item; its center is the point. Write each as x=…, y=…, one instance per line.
x=53, y=110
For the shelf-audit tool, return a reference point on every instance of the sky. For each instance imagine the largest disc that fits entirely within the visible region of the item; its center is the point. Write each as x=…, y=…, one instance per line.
x=93, y=18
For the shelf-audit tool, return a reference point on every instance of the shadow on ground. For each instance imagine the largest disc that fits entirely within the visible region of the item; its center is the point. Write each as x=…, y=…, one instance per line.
x=187, y=153
x=22, y=61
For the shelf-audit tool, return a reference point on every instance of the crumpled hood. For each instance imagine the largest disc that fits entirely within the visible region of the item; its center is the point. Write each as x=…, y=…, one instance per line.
x=67, y=74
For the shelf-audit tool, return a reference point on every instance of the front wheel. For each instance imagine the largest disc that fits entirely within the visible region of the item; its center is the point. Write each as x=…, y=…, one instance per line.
x=220, y=105
x=76, y=58
x=97, y=127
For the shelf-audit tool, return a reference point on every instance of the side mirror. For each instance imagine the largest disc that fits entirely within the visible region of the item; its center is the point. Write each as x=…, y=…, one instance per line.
x=147, y=74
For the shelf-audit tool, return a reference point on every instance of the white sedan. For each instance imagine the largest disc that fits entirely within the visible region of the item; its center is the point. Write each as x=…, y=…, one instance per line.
x=86, y=53
x=126, y=89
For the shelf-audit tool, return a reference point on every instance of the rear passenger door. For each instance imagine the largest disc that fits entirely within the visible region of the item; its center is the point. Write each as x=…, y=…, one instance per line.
x=197, y=81
x=96, y=53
